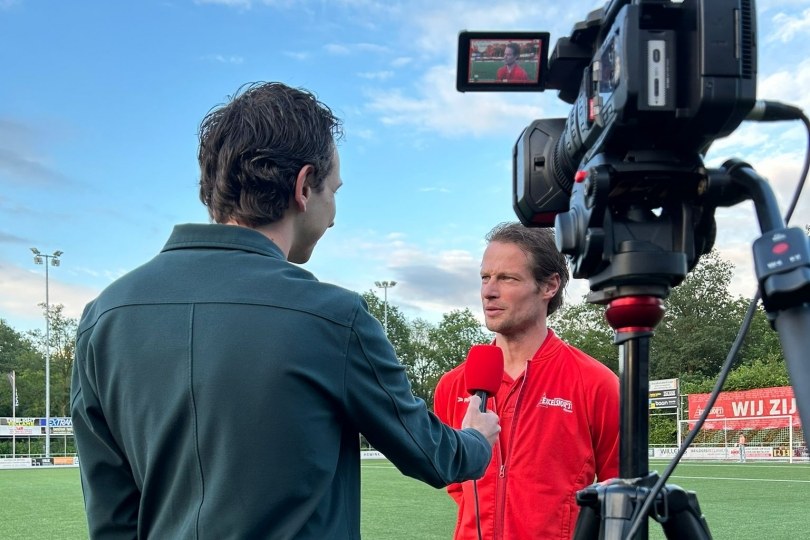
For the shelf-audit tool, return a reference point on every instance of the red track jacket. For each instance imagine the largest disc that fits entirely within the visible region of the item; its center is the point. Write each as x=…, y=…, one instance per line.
x=560, y=432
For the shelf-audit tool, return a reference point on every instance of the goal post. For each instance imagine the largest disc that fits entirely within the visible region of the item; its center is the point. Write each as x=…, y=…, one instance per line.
x=775, y=438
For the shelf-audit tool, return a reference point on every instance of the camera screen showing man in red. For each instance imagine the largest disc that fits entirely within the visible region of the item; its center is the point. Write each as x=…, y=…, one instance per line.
x=511, y=71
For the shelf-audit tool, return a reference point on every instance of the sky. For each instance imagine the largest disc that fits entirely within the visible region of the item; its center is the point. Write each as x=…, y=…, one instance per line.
x=100, y=105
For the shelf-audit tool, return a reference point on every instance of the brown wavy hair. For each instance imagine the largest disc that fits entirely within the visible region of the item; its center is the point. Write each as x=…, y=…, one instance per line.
x=538, y=243
x=252, y=148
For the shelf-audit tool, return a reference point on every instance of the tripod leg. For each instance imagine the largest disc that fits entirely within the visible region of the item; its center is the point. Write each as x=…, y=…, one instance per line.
x=682, y=517
x=608, y=509
x=589, y=521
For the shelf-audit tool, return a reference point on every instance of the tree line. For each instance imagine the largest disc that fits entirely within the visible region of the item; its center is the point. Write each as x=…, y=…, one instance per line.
x=691, y=343
x=24, y=354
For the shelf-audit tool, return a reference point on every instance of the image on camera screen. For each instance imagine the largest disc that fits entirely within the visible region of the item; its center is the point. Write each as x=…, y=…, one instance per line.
x=504, y=61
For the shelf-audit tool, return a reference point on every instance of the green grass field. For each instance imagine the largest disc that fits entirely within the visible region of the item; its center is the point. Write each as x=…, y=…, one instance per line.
x=485, y=71
x=740, y=501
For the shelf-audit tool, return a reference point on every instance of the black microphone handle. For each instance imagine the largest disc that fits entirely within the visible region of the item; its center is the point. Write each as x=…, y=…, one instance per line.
x=483, y=395
x=793, y=326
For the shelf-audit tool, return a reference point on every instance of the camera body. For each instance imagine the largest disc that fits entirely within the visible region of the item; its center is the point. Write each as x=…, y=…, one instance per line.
x=652, y=84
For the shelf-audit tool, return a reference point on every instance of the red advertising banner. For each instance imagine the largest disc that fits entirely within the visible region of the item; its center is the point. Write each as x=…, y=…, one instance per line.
x=758, y=407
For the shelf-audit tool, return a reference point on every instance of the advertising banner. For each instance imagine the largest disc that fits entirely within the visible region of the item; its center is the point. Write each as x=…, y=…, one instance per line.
x=756, y=408
x=33, y=427
x=663, y=394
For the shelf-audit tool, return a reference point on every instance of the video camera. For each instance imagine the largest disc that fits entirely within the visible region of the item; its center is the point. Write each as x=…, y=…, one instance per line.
x=652, y=83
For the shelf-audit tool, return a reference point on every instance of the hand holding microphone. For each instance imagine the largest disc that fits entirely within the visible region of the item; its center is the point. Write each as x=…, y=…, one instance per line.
x=483, y=372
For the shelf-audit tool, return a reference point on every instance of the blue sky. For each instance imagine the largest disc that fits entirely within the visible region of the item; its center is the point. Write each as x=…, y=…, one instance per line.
x=100, y=103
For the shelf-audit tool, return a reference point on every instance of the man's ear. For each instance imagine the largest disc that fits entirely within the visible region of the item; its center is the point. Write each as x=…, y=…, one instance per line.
x=551, y=285
x=303, y=187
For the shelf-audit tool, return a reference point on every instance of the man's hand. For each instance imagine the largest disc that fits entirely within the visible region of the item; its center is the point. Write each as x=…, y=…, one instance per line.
x=484, y=422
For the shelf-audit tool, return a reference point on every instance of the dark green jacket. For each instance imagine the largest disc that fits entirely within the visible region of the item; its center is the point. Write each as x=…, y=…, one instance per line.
x=218, y=392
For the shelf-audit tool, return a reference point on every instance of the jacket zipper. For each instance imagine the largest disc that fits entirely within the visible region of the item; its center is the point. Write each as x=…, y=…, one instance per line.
x=502, y=479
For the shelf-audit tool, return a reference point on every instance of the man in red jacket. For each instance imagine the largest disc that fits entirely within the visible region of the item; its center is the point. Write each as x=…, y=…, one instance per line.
x=559, y=408
x=511, y=70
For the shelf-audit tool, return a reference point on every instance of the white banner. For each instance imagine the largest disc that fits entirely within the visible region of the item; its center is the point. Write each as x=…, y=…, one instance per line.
x=15, y=463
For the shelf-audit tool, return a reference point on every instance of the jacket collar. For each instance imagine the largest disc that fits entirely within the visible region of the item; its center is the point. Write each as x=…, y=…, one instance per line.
x=215, y=235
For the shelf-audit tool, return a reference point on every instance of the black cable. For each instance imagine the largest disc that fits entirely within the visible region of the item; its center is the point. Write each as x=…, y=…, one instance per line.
x=803, y=176
x=738, y=341
x=726, y=369
x=477, y=515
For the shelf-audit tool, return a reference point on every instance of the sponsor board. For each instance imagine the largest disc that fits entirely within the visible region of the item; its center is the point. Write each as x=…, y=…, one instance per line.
x=663, y=394
x=15, y=463
x=724, y=453
x=756, y=408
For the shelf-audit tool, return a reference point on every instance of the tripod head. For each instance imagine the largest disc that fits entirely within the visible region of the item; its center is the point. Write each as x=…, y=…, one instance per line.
x=636, y=228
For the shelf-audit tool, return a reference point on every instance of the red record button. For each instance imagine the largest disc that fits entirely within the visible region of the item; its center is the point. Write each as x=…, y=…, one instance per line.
x=780, y=248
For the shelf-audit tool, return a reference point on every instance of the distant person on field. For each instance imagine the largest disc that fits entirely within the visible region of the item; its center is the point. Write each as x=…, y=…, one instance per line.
x=511, y=70
x=559, y=408
x=219, y=390
x=741, y=445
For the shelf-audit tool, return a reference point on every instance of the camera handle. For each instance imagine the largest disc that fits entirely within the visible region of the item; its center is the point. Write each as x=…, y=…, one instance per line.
x=608, y=509
x=782, y=265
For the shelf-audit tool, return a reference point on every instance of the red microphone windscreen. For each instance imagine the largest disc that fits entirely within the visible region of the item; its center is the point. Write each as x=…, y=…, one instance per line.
x=483, y=369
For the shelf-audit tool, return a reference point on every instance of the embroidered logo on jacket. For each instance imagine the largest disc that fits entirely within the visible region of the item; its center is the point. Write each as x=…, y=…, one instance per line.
x=564, y=404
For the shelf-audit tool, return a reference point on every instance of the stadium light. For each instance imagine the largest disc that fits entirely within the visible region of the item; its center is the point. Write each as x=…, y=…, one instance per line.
x=39, y=258
x=385, y=285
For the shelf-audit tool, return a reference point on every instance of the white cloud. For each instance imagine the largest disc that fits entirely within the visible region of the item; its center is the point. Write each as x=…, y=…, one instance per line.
x=25, y=149
x=432, y=278
x=336, y=49
x=223, y=59
x=790, y=25
x=343, y=49
x=438, y=106
x=242, y=4
x=401, y=61
x=436, y=31
x=376, y=75
x=369, y=47
x=366, y=134
x=22, y=290
x=298, y=55
x=788, y=86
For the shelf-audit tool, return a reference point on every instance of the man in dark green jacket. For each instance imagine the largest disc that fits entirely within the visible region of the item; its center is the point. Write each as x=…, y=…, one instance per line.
x=219, y=389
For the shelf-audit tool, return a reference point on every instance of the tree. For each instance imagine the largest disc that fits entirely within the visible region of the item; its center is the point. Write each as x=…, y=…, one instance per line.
x=425, y=350
x=699, y=325
x=62, y=346
x=423, y=371
x=457, y=332
x=18, y=354
x=450, y=342
x=761, y=340
x=398, y=331
x=584, y=326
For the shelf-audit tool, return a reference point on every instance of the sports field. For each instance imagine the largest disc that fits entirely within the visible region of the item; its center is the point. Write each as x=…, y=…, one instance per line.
x=740, y=501
x=485, y=71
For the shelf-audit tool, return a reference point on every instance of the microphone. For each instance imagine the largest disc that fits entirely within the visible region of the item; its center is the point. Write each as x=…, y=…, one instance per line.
x=483, y=372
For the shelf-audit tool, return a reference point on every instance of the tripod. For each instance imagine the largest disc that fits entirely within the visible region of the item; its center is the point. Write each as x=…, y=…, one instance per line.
x=632, y=256
x=609, y=508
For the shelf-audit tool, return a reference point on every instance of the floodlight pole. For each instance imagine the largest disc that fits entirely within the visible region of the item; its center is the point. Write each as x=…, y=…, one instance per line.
x=385, y=285
x=40, y=258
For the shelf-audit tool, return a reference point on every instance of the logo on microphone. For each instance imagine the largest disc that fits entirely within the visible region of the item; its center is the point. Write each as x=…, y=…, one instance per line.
x=564, y=404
